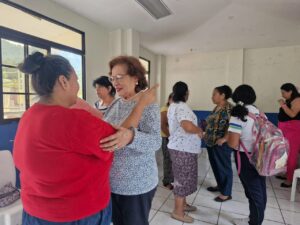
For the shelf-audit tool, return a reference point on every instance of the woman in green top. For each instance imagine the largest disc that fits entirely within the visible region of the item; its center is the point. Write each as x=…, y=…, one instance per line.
x=215, y=137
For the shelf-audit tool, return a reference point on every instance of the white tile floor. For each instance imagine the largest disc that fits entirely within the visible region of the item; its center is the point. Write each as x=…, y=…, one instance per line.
x=279, y=209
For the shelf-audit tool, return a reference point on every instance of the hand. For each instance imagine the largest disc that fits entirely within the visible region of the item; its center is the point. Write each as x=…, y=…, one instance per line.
x=148, y=96
x=119, y=140
x=200, y=134
x=221, y=141
x=281, y=102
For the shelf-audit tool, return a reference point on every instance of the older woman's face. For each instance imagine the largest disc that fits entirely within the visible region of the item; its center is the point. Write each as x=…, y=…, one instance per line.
x=124, y=84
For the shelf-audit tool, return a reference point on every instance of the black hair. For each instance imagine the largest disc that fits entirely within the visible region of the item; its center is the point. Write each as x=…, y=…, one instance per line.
x=180, y=90
x=104, y=82
x=45, y=70
x=290, y=87
x=170, y=97
x=243, y=95
x=226, y=90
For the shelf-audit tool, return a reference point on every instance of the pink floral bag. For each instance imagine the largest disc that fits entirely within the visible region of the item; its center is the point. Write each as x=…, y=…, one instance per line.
x=270, y=148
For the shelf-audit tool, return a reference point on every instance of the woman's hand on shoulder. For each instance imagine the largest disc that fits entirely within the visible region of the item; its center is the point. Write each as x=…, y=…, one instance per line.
x=119, y=140
x=147, y=97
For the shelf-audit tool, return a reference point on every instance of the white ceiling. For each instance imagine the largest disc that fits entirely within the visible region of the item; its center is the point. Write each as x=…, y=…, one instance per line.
x=200, y=25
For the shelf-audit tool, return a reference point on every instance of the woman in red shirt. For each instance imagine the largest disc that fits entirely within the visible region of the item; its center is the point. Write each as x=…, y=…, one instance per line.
x=64, y=171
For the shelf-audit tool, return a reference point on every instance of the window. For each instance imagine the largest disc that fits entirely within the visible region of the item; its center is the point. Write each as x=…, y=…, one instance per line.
x=17, y=93
x=146, y=64
x=18, y=38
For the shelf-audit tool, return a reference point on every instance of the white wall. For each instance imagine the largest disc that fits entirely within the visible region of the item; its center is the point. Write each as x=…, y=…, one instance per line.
x=202, y=72
x=265, y=69
x=96, y=38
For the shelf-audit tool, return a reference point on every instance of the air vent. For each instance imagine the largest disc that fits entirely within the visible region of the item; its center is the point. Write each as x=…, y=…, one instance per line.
x=156, y=8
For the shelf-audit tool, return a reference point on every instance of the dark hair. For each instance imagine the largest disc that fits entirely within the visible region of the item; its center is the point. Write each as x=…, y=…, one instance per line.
x=45, y=70
x=180, y=90
x=104, y=82
x=226, y=90
x=290, y=87
x=170, y=97
x=134, y=69
x=243, y=95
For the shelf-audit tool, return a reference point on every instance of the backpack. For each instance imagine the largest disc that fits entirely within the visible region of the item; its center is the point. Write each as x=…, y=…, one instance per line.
x=270, y=148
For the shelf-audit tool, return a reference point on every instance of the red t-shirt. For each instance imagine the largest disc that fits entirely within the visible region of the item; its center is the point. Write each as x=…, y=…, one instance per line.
x=64, y=173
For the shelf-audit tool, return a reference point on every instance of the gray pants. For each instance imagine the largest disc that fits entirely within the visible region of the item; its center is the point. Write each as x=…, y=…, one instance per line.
x=167, y=163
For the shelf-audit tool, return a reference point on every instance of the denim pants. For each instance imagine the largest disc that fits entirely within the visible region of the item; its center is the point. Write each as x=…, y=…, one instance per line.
x=255, y=190
x=220, y=161
x=101, y=218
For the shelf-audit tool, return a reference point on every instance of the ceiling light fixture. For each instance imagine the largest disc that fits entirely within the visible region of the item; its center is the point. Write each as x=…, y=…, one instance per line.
x=156, y=8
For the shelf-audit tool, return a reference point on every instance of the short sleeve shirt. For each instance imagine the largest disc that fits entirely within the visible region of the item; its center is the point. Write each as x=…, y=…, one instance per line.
x=179, y=139
x=244, y=128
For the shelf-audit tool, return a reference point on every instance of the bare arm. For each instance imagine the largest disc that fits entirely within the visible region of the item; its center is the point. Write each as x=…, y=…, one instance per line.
x=164, y=123
x=233, y=140
x=294, y=110
x=189, y=127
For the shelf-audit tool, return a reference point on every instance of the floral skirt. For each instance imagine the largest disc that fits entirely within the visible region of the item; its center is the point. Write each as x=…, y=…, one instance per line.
x=185, y=170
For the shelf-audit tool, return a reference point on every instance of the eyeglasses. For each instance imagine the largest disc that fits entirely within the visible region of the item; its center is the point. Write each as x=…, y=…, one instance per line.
x=117, y=77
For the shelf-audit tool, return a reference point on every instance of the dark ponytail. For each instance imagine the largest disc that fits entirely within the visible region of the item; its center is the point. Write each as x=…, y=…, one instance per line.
x=45, y=70
x=243, y=95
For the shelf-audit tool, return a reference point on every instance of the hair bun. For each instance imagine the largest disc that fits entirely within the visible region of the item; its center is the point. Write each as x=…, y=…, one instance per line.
x=32, y=63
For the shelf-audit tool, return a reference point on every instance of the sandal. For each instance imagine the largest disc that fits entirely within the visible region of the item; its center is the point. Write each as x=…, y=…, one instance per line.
x=218, y=199
x=190, y=208
x=185, y=218
x=284, y=185
x=213, y=189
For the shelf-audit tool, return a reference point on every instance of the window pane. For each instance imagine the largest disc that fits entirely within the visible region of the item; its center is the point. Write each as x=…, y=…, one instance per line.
x=145, y=64
x=14, y=105
x=38, y=27
x=13, y=80
x=31, y=90
x=12, y=52
x=76, y=62
x=33, y=99
x=32, y=49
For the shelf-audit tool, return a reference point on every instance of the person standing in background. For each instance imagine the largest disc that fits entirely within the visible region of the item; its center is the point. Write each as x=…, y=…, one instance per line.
x=216, y=137
x=106, y=93
x=167, y=163
x=184, y=147
x=240, y=130
x=289, y=123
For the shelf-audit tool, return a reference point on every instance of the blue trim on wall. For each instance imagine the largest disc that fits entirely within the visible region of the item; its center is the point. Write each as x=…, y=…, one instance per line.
x=203, y=114
x=7, y=134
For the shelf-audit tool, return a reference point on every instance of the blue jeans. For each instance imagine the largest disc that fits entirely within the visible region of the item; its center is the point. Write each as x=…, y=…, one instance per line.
x=101, y=218
x=220, y=161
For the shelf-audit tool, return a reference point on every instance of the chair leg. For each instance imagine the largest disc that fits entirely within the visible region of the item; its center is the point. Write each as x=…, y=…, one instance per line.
x=294, y=185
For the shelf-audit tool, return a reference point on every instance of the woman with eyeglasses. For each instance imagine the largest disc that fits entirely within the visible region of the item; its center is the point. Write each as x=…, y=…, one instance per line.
x=64, y=171
x=134, y=173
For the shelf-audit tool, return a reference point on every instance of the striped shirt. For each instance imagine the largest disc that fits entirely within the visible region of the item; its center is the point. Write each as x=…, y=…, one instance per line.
x=244, y=128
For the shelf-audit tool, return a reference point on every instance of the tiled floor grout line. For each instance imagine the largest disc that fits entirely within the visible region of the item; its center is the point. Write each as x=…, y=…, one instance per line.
x=278, y=202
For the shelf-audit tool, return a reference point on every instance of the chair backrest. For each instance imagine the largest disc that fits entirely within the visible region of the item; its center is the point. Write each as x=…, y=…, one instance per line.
x=7, y=168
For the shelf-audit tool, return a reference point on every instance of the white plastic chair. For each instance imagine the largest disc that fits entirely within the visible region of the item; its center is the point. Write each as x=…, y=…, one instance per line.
x=12, y=214
x=294, y=186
